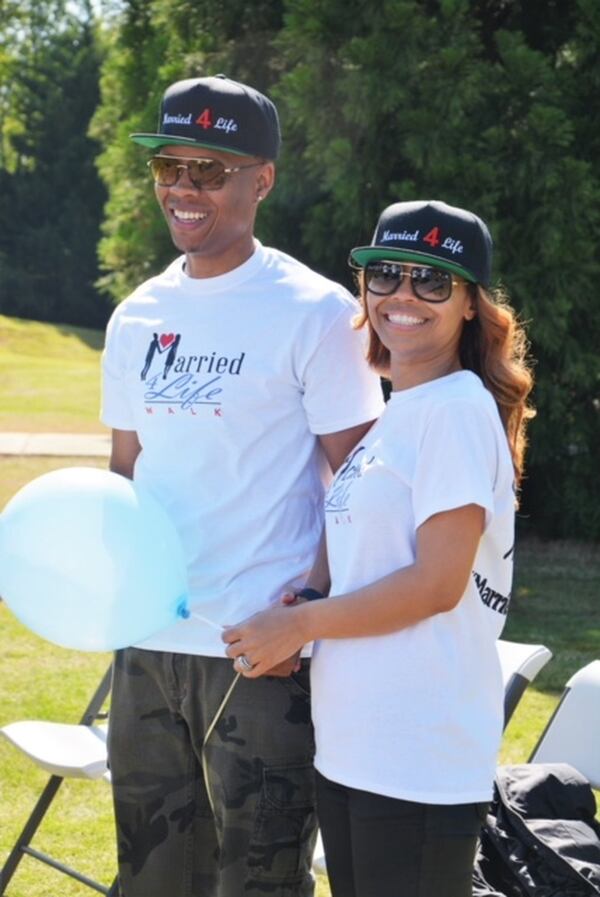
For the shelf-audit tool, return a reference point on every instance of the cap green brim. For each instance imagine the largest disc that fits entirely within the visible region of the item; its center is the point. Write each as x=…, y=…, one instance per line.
x=362, y=255
x=155, y=141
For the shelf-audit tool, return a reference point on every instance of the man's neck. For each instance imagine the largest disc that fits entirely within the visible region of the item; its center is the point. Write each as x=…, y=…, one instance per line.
x=200, y=266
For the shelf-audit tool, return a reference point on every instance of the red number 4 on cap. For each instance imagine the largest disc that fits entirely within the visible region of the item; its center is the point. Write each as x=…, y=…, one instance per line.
x=433, y=237
x=205, y=119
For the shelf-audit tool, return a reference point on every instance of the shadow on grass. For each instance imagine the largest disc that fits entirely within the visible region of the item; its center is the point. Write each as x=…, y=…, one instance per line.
x=555, y=602
x=92, y=338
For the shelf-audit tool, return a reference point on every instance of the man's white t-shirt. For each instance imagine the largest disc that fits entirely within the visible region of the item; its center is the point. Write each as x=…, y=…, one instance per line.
x=417, y=714
x=228, y=381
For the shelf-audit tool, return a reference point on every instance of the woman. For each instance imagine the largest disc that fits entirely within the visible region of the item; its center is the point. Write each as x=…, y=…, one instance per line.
x=406, y=682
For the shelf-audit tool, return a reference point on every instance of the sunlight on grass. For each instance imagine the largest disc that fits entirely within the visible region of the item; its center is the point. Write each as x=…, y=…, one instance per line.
x=50, y=376
x=18, y=470
x=37, y=339
x=526, y=726
x=556, y=590
x=43, y=681
x=322, y=889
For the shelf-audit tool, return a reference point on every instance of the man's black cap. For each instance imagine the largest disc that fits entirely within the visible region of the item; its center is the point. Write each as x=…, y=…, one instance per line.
x=218, y=113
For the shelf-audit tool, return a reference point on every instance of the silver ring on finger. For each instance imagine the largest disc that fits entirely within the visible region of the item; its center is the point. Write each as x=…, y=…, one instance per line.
x=244, y=663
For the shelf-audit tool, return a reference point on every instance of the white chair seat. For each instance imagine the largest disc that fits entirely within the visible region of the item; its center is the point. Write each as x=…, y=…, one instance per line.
x=69, y=751
x=522, y=659
x=520, y=664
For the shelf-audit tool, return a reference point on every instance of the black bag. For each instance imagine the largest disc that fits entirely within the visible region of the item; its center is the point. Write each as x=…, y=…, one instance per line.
x=540, y=838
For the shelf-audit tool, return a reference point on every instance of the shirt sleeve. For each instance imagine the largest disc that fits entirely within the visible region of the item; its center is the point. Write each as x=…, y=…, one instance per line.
x=340, y=389
x=457, y=461
x=115, y=409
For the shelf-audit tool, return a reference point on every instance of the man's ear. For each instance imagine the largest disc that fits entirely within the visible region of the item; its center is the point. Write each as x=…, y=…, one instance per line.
x=265, y=181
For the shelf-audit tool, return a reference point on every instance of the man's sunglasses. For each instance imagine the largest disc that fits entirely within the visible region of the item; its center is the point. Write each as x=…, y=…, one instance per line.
x=204, y=174
x=427, y=283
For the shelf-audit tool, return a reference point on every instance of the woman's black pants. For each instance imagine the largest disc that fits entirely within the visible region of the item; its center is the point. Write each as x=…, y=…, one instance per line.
x=377, y=846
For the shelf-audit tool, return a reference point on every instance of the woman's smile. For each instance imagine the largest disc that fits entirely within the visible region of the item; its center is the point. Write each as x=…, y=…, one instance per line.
x=404, y=319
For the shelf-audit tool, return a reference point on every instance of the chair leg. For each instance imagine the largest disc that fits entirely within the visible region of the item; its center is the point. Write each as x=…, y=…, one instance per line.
x=22, y=846
x=31, y=826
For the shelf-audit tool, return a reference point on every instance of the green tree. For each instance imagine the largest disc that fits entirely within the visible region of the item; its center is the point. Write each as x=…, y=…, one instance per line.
x=153, y=46
x=559, y=278
x=428, y=100
x=489, y=104
x=53, y=197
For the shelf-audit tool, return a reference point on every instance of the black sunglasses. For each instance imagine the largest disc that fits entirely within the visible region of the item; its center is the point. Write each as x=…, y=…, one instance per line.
x=430, y=284
x=205, y=174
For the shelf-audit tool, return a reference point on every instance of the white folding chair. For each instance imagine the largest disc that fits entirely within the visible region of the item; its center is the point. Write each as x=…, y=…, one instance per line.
x=520, y=664
x=573, y=732
x=64, y=751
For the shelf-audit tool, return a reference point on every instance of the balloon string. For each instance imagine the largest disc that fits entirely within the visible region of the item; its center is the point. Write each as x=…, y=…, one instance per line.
x=208, y=622
x=217, y=715
x=214, y=722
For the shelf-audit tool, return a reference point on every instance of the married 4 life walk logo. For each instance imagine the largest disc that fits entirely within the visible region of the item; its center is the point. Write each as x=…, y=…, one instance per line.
x=176, y=381
x=337, y=500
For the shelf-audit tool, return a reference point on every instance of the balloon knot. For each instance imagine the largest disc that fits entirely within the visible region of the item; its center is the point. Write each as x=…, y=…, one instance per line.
x=182, y=610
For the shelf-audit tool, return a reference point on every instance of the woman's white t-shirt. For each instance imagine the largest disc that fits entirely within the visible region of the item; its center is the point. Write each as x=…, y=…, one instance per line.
x=417, y=714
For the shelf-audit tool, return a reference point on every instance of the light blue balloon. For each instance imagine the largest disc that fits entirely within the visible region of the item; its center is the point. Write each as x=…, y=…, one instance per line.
x=89, y=560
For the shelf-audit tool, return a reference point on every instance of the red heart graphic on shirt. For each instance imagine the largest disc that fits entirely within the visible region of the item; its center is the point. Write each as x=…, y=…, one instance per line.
x=166, y=339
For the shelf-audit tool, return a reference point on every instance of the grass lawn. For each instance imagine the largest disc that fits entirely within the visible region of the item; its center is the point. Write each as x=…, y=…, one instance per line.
x=50, y=377
x=42, y=681
x=50, y=382
x=555, y=602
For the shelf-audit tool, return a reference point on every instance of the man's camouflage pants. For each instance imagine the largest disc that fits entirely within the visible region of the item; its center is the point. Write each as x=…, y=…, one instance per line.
x=258, y=760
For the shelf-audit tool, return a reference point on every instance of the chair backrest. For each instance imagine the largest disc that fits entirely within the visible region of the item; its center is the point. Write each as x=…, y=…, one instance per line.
x=520, y=664
x=573, y=732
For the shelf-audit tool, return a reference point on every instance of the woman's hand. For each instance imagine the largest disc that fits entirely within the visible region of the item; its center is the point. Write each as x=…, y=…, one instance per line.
x=292, y=664
x=270, y=641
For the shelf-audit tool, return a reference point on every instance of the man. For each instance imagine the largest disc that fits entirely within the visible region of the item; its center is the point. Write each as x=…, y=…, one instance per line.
x=229, y=380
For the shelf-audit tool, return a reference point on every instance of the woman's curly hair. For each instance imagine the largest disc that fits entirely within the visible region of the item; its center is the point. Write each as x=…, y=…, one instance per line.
x=494, y=346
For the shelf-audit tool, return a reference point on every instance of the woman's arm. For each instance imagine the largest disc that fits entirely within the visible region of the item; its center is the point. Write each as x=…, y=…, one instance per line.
x=445, y=552
x=318, y=578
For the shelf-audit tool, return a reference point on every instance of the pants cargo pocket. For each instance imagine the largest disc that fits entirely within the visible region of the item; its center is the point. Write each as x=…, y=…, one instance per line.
x=282, y=842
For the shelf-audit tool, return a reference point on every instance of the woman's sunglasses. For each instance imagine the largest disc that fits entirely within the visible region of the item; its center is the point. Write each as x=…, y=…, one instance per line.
x=204, y=174
x=427, y=283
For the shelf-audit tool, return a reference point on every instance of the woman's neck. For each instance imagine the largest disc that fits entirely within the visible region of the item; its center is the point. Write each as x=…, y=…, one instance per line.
x=406, y=375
